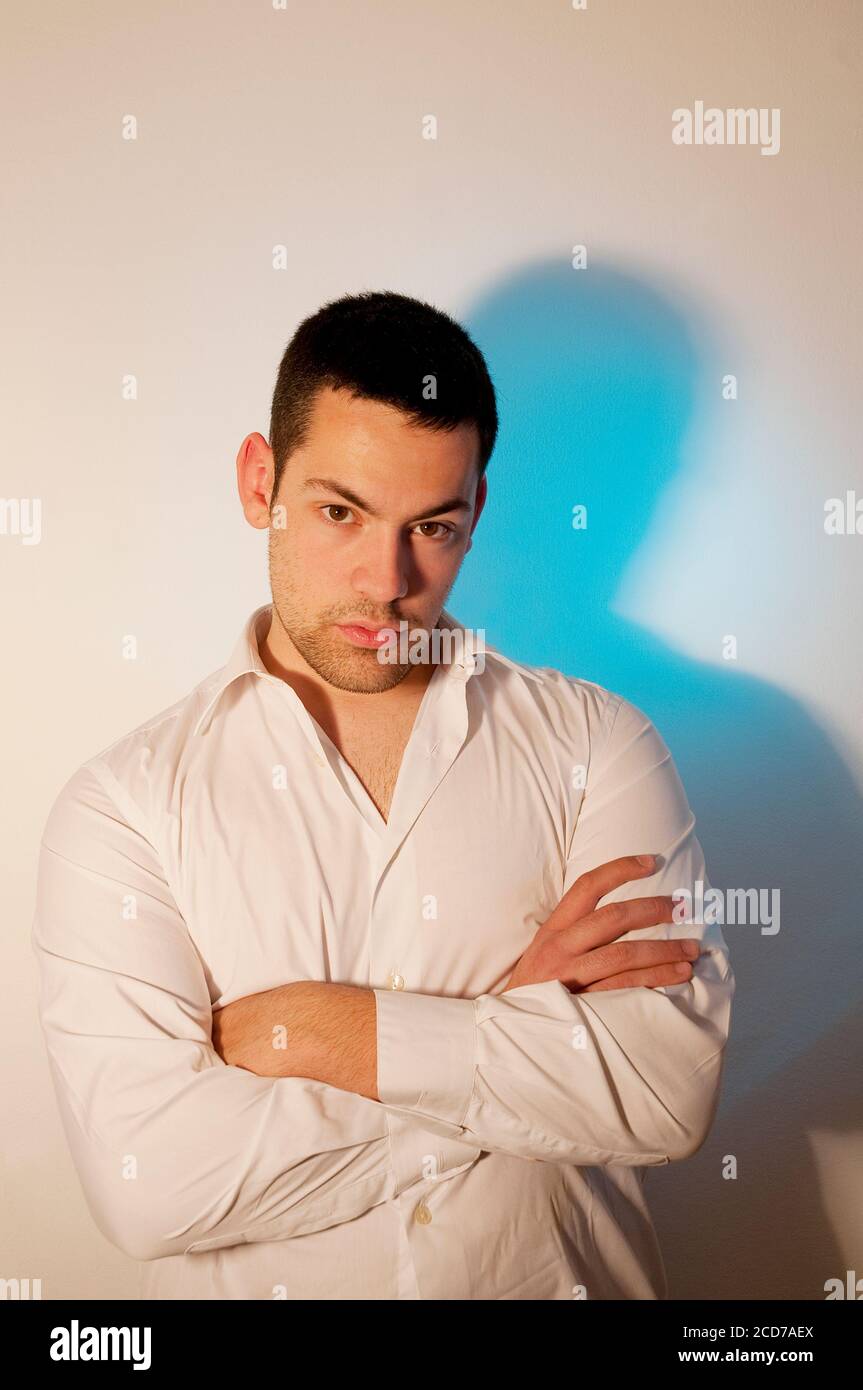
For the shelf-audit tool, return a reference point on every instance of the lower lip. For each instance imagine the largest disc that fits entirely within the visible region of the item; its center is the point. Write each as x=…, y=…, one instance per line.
x=362, y=637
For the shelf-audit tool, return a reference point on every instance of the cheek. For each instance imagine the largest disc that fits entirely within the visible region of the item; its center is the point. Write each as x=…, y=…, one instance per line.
x=305, y=550
x=438, y=567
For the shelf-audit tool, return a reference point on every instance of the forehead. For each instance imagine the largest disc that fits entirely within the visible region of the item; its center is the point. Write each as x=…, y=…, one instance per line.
x=367, y=432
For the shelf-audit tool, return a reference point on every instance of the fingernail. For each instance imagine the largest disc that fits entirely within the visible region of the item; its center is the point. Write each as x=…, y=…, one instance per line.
x=690, y=948
x=645, y=859
x=683, y=969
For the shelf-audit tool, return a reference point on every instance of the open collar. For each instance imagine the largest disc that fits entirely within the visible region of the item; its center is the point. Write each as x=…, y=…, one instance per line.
x=245, y=659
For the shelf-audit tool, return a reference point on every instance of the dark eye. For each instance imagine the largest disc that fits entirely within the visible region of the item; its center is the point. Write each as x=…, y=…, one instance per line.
x=445, y=530
x=335, y=507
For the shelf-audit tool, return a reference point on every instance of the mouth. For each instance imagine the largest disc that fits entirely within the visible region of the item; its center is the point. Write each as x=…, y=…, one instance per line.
x=360, y=635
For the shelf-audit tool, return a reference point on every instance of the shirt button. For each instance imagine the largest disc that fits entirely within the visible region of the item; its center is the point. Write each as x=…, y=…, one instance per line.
x=422, y=1215
x=395, y=980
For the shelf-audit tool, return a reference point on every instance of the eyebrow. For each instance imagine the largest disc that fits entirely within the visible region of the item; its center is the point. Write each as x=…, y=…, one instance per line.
x=453, y=504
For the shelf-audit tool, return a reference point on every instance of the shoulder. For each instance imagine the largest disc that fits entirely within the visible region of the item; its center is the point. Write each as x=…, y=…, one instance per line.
x=573, y=716
x=561, y=699
x=117, y=781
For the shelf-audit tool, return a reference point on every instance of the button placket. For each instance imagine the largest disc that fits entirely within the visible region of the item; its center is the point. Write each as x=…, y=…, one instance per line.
x=395, y=926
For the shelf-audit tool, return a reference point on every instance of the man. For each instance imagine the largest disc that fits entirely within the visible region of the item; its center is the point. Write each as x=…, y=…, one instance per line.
x=352, y=983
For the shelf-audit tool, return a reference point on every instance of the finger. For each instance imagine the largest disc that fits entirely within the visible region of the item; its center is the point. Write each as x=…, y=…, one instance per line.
x=652, y=978
x=618, y=956
x=616, y=919
x=589, y=887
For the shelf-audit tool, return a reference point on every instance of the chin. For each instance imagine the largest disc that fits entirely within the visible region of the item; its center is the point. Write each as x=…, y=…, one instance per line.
x=362, y=673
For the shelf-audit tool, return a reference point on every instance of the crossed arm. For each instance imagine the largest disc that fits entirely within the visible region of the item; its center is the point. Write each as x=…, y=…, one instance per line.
x=328, y=1032
x=325, y=1032
x=260, y=1142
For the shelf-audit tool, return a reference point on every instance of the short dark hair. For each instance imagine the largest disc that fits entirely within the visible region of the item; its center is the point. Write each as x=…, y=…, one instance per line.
x=383, y=346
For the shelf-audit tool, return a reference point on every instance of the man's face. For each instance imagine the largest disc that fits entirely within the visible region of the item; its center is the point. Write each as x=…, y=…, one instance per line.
x=368, y=528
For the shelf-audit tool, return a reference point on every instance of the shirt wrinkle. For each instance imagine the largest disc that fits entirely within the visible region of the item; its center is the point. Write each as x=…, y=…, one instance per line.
x=507, y=1153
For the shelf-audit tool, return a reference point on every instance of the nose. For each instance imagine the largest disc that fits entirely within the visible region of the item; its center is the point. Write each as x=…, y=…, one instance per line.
x=383, y=574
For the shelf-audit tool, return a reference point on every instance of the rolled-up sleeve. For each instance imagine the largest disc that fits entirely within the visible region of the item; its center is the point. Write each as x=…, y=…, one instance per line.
x=627, y=1076
x=175, y=1150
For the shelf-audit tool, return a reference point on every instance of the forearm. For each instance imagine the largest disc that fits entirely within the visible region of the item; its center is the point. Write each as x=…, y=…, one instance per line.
x=322, y=1031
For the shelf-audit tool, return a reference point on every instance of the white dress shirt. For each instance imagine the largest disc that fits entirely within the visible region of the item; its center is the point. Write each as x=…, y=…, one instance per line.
x=225, y=847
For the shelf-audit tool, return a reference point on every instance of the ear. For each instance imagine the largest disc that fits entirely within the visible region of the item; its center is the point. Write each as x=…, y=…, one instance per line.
x=254, y=479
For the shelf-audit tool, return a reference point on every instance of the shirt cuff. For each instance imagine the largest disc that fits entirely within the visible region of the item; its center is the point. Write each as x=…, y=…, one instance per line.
x=427, y=1053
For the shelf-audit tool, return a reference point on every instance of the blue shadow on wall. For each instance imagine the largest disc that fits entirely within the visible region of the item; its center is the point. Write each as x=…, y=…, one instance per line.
x=598, y=378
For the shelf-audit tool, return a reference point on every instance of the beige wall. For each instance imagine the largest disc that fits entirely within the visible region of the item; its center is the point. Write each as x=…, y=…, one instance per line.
x=302, y=127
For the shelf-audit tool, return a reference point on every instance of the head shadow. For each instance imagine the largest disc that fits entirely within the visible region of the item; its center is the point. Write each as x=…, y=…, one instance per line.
x=601, y=378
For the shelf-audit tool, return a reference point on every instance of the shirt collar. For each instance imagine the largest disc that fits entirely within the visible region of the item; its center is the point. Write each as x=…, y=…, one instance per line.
x=245, y=659
x=473, y=641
